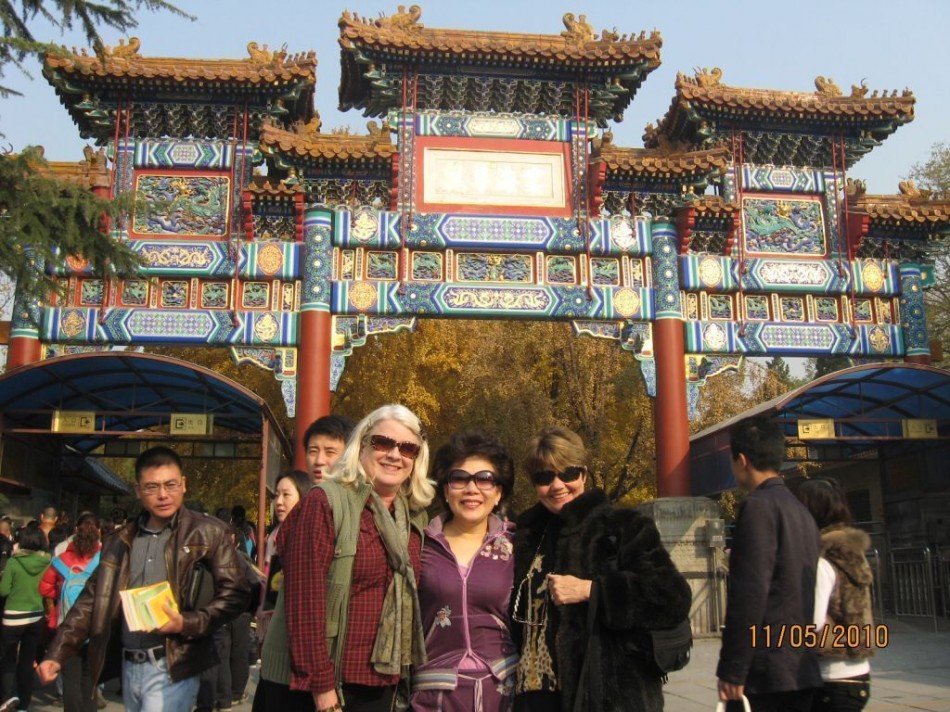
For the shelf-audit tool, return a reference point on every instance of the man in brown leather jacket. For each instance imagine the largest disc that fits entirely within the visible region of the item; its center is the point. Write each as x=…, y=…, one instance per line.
x=160, y=668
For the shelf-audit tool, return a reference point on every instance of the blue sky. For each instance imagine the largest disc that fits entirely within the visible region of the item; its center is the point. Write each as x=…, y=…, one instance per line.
x=891, y=45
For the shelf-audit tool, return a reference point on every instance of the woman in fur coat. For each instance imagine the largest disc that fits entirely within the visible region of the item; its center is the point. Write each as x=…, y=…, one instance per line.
x=842, y=600
x=574, y=549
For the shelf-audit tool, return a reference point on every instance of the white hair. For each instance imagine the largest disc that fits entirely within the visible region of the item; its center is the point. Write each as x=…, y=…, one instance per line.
x=349, y=470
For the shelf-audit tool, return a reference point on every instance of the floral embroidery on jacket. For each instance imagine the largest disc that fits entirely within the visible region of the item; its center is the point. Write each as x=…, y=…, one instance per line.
x=442, y=618
x=498, y=548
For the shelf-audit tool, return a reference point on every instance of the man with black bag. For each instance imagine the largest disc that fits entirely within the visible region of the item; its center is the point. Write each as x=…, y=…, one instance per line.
x=160, y=668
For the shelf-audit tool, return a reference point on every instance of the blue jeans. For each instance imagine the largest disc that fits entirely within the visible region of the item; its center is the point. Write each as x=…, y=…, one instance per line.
x=146, y=687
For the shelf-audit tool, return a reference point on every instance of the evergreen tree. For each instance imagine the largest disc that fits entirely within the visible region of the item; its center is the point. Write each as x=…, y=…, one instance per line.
x=19, y=41
x=43, y=220
x=934, y=175
x=830, y=364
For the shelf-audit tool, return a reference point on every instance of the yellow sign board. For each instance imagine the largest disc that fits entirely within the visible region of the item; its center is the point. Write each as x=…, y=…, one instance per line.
x=73, y=421
x=817, y=429
x=191, y=424
x=919, y=428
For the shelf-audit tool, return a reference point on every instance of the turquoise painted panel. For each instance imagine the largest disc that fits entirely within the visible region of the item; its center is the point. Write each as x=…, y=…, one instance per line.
x=184, y=153
x=761, y=338
x=785, y=179
x=142, y=326
x=490, y=300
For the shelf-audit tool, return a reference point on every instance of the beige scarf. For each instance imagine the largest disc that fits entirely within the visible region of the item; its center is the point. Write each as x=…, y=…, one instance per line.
x=400, y=640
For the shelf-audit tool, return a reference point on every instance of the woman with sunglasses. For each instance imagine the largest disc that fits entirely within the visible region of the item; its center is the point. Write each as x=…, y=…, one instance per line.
x=577, y=554
x=467, y=570
x=351, y=555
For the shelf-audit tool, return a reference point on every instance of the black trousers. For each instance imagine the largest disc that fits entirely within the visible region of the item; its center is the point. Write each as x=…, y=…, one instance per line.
x=794, y=701
x=215, y=684
x=271, y=695
x=850, y=695
x=365, y=698
x=240, y=658
x=18, y=644
x=78, y=690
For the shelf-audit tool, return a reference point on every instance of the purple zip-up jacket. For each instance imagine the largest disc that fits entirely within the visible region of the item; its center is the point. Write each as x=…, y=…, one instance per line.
x=466, y=614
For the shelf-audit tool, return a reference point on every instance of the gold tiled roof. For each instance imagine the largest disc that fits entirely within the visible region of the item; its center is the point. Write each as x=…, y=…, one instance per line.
x=577, y=44
x=262, y=66
x=666, y=163
x=910, y=206
x=91, y=172
x=265, y=187
x=705, y=92
x=308, y=143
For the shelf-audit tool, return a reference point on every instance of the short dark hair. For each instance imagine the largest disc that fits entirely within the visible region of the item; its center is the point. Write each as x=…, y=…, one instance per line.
x=825, y=500
x=333, y=426
x=761, y=441
x=238, y=513
x=157, y=456
x=33, y=538
x=473, y=443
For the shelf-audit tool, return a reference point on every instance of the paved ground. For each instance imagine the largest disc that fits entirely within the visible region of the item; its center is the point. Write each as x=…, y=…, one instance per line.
x=911, y=673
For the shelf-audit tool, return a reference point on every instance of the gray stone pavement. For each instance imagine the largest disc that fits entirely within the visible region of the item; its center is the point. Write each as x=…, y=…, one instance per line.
x=911, y=673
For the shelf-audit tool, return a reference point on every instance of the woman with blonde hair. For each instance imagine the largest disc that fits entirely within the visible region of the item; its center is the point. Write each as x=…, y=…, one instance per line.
x=351, y=553
x=588, y=577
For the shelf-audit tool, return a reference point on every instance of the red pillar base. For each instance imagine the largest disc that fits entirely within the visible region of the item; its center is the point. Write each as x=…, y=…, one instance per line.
x=22, y=351
x=313, y=376
x=923, y=359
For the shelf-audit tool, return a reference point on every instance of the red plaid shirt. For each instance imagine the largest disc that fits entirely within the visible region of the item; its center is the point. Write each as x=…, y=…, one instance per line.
x=305, y=543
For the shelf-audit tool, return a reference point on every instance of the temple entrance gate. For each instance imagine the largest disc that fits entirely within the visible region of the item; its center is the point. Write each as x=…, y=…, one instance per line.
x=490, y=189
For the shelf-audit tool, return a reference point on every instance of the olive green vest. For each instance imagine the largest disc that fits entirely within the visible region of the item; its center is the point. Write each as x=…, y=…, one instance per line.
x=347, y=505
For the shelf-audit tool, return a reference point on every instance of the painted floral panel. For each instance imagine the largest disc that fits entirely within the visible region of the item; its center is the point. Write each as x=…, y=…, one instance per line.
x=175, y=294
x=256, y=295
x=757, y=307
x=214, y=295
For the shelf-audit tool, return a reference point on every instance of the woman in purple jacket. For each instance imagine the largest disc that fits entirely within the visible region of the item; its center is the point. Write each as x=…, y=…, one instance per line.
x=467, y=572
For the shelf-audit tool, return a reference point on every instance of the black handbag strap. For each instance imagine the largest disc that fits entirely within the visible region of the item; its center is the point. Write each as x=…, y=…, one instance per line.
x=589, y=683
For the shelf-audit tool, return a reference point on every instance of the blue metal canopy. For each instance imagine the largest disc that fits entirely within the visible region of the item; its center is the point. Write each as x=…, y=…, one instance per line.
x=128, y=392
x=868, y=403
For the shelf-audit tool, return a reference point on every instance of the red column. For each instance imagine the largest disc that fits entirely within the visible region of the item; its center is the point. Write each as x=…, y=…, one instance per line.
x=23, y=350
x=313, y=375
x=671, y=420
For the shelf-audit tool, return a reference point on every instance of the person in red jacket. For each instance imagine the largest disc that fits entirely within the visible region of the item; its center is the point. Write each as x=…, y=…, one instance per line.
x=71, y=569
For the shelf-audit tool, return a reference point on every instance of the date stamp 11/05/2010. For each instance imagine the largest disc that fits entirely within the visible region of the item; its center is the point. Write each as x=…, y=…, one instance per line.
x=815, y=636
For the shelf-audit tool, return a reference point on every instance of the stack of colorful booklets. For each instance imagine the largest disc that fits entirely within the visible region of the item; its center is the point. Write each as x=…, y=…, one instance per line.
x=143, y=606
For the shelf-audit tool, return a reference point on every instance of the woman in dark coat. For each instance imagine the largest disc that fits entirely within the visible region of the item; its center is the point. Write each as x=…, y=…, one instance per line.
x=574, y=549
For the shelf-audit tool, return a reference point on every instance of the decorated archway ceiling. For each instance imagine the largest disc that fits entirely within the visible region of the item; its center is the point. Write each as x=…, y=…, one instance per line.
x=485, y=189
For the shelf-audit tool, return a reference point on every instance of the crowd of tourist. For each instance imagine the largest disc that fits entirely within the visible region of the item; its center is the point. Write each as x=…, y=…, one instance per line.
x=364, y=602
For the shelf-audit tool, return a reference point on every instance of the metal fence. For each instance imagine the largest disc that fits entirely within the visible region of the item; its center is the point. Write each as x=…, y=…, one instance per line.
x=877, y=586
x=913, y=584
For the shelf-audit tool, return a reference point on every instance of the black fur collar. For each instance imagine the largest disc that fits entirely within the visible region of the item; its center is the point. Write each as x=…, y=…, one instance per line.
x=576, y=512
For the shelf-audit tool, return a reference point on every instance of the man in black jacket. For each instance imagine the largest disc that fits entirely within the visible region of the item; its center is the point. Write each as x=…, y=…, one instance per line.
x=160, y=668
x=765, y=653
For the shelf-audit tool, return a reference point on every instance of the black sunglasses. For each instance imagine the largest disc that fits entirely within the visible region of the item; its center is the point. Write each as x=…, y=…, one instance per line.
x=381, y=443
x=546, y=477
x=483, y=479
